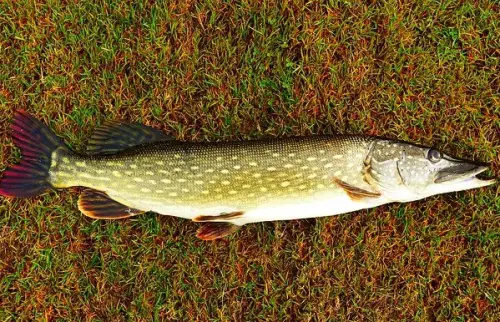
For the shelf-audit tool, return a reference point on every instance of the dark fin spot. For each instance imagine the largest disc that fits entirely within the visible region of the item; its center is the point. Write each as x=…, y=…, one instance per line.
x=99, y=205
x=114, y=137
x=221, y=217
x=215, y=230
x=356, y=193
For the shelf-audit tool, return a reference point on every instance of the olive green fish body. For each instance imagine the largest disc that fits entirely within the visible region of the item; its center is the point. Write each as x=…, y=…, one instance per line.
x=129, y=169
x=192, y=179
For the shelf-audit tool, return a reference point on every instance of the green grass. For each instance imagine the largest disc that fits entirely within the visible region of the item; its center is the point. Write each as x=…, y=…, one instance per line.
x=426, y=72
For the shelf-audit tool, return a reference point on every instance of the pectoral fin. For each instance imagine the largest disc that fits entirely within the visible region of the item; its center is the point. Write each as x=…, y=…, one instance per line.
x=215, y=230
x=98, y=205
x=356, y=193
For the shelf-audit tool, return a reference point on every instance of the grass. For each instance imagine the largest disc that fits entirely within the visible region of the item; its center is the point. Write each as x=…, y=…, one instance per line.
x=427, y=72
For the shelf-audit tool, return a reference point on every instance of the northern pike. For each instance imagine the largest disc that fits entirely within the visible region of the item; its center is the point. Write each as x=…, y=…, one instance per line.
x=129, y=168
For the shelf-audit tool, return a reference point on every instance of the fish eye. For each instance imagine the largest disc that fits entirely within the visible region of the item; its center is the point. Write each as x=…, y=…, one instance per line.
x=434, y=155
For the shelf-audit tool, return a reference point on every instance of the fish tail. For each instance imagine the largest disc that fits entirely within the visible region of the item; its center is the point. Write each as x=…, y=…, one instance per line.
x=37, y=143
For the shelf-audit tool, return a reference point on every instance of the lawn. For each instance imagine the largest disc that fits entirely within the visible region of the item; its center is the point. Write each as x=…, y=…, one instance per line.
x=428, y=73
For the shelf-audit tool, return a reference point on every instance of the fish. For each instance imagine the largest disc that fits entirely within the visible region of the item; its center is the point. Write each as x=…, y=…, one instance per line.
x=128, y=169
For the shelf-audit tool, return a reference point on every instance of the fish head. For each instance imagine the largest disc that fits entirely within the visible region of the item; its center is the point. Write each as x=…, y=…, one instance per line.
x=405, y=171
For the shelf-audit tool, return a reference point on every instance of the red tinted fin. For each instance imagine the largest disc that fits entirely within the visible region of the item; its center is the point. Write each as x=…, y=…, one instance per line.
x=215, y=230
x=37, y=142
x=98, y=205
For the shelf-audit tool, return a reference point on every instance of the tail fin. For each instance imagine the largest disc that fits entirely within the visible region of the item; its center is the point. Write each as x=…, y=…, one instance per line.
x=37, y=142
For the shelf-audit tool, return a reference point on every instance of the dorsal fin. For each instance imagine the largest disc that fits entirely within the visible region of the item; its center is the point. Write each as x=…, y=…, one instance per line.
x=113, y=137
x=98, y=205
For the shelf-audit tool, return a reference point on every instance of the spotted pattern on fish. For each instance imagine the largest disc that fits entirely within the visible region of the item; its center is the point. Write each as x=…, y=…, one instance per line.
x=131, y=168
x=227, y=166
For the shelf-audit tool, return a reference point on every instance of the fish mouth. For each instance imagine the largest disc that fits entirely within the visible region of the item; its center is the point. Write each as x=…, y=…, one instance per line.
x=464, y=173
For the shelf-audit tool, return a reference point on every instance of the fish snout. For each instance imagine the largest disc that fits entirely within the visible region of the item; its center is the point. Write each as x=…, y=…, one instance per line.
x=462, y=171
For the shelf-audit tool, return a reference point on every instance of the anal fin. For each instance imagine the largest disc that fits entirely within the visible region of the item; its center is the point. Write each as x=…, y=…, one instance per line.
x=356, y=193
x=98, y=205
x=215, y=230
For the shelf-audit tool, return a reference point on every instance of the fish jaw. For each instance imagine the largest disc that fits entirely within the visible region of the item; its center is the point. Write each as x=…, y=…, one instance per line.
x=464, y=183
x=471, y=181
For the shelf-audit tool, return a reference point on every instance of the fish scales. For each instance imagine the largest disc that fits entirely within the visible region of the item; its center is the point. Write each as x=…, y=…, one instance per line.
x=129, y=168
x=242, y=174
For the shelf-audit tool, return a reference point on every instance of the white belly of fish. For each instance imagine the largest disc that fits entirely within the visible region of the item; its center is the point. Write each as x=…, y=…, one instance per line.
x=326, y=204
